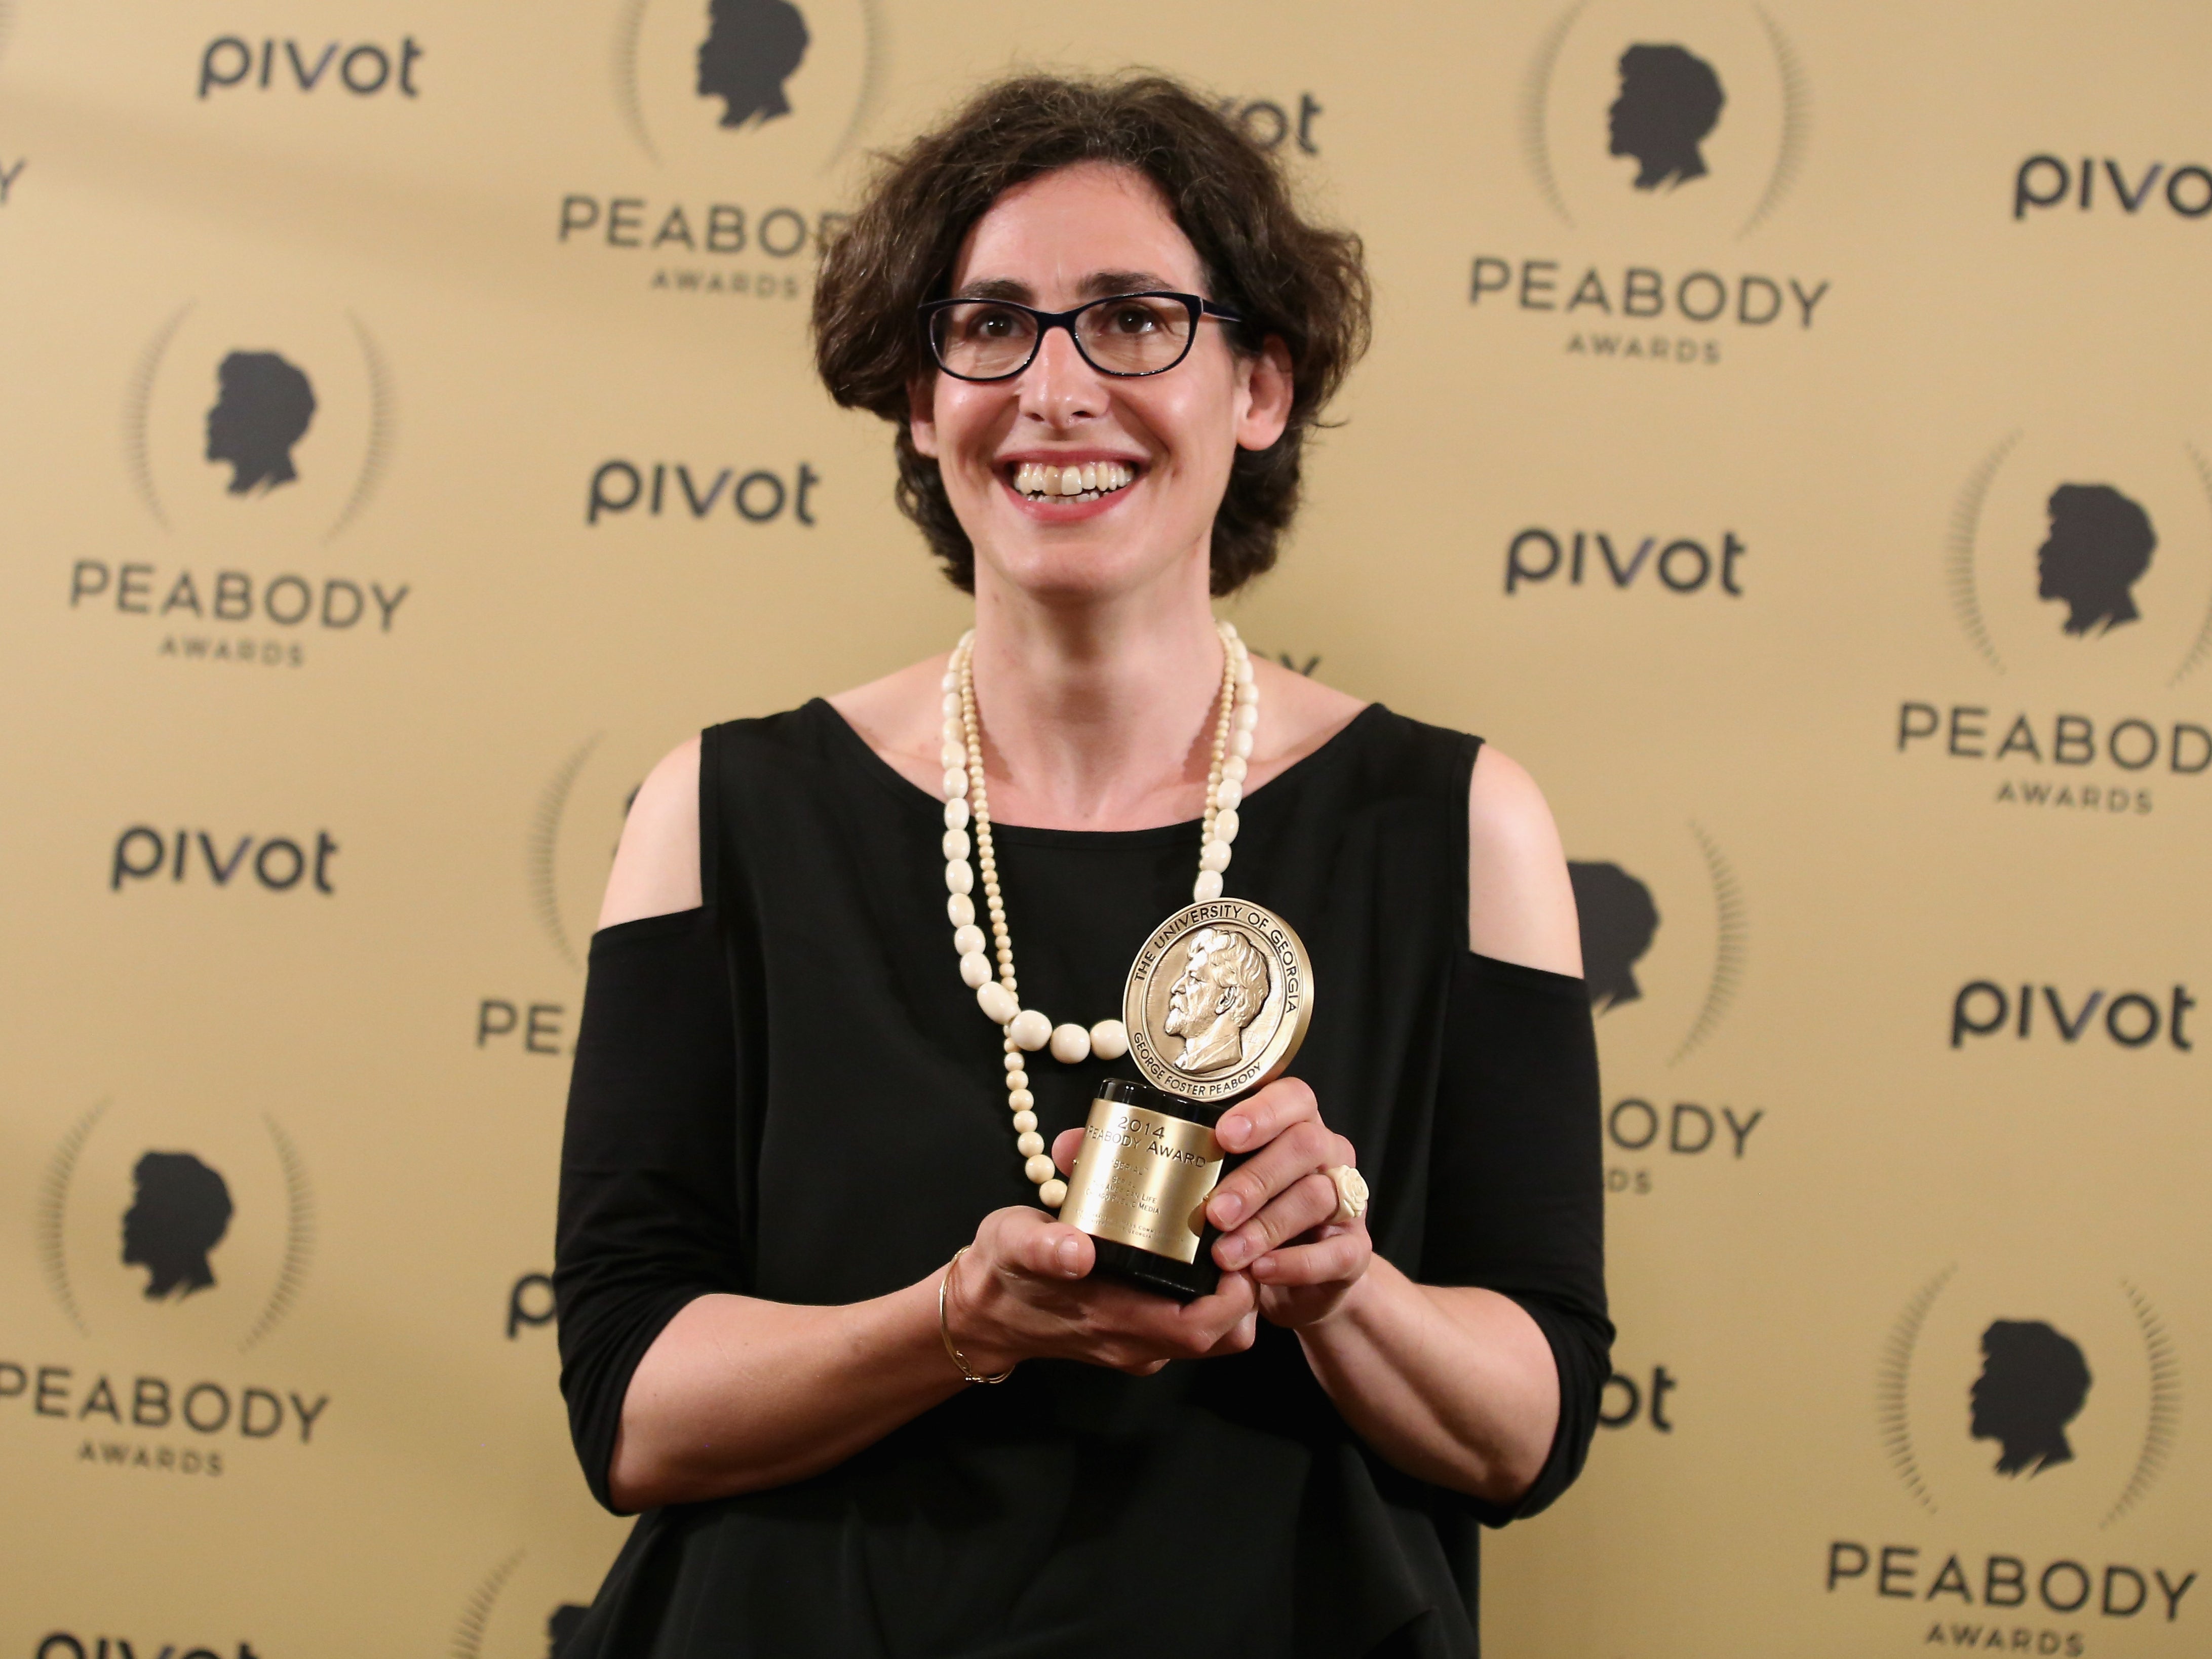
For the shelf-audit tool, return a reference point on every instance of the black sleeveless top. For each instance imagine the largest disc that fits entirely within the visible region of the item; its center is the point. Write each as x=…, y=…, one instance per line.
x=789, y=1093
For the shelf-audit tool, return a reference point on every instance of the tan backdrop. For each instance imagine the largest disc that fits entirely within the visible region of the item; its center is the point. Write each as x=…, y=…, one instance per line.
x=1725, y=503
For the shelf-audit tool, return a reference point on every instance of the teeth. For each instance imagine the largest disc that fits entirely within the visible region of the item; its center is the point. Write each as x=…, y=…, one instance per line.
x=1088, y=482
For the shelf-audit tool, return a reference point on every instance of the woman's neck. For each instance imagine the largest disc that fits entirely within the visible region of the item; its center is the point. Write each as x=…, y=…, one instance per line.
x=1095, y=714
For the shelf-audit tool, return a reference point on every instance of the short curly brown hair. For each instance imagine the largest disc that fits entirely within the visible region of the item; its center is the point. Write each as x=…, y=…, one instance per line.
x=1301, y=282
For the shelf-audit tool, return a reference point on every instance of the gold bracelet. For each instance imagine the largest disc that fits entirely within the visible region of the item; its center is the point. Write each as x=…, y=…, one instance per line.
x=945, y=1331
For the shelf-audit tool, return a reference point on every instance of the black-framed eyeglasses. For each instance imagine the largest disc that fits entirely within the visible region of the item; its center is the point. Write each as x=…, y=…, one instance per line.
x=1127, y=334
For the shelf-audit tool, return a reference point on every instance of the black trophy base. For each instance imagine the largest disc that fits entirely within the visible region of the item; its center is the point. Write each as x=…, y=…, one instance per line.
x=1186, y=1281
x=1165, y=1275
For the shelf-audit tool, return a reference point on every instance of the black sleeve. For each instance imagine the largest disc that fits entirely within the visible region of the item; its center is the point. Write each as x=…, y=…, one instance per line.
x=1517, y=1197
x=649, y=1216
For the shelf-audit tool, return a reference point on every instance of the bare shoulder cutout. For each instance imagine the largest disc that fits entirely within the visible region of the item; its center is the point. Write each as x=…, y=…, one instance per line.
x=1520, y=907
x=657, y=863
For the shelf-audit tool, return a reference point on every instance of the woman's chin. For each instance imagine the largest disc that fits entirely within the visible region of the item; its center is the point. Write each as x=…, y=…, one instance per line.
x=1074, y=568
x=1098, y=563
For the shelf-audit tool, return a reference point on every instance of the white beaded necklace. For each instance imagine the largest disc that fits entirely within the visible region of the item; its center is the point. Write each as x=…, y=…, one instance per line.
x=997, y=992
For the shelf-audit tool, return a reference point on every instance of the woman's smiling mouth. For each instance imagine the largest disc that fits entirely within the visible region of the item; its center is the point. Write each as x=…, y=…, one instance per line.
x=1087, y=481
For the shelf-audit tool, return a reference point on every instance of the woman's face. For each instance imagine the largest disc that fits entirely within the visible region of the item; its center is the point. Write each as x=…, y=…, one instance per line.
x=1083, y=233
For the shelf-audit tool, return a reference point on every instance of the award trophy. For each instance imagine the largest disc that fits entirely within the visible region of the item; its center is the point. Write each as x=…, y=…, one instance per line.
x=1216, y=1005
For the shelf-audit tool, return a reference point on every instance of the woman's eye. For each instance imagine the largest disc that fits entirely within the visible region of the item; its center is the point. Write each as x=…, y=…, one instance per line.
x=1132, y=320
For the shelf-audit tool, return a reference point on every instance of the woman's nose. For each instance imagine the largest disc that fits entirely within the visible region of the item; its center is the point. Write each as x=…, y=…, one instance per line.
x=1058, y=386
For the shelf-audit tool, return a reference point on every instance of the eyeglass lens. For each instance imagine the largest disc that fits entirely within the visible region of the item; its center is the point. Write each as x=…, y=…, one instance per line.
x=986, y=338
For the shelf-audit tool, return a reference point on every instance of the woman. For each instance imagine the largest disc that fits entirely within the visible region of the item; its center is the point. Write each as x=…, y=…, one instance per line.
x=1103, y=333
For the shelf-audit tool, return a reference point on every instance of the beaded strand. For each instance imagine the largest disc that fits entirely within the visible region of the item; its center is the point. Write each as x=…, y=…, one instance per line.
x=967, y=803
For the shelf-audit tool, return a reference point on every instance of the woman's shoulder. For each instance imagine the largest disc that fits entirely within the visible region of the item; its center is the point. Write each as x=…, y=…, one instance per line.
x=658, y=866
x=1508, y=818
x=1520, y=903
x=1501, y=800
x=900, y=717
x=1299, y=716
x=1367, y=748
x=1520, y=907
x=656, y=861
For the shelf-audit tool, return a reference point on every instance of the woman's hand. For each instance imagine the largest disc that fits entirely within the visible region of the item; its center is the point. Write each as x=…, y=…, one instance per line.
x=1273, y=1210
x=1026, y=1291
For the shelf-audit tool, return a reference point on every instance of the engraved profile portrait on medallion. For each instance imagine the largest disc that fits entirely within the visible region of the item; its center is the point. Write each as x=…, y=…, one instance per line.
x=1221, y=991
x=1218, y=1000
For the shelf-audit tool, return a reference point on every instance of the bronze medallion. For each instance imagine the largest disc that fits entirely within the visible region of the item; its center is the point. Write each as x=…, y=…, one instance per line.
x=1218, y=1000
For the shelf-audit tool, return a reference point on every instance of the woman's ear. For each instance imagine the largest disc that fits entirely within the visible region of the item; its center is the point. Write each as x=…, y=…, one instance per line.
x=921, y=413
x=1267, y=389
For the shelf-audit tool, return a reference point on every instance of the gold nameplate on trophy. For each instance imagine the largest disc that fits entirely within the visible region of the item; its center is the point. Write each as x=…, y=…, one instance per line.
x=1142, y=1175
x=1216, y=1005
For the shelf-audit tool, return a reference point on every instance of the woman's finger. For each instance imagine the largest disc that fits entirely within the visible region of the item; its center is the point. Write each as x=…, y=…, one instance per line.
x=1036, y=1244
x=1065, y=1146
x=1047, y=1289
x=1299, y=1208
x=1191, y=1330
x=1253, y=1123
x=1296, y=1152
x=1141, y=1345
x=1342, y=1256
x=1239, y=1337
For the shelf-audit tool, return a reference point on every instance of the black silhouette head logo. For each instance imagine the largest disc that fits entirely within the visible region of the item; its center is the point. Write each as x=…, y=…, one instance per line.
x=1669, y=99
x=2032, y=1384
x=561, y=1629
x=752, y=47
x=264, y=409
x=1618, y=922
x=2098, y=547
x=179, y=1213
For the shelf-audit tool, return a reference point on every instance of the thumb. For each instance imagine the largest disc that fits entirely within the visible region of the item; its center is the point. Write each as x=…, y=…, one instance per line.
x=1065, y=1146
x=1034, y=1243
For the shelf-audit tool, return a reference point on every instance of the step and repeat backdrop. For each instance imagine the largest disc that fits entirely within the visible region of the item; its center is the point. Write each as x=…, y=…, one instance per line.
x=1787, y=432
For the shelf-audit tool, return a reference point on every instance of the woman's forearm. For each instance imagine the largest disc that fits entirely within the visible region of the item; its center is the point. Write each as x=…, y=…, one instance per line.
x=1452, y=1384
x=738, y=1395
